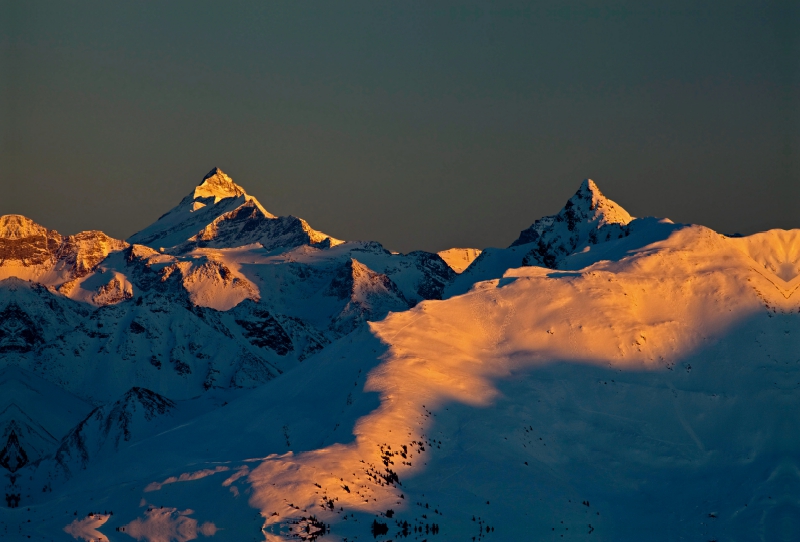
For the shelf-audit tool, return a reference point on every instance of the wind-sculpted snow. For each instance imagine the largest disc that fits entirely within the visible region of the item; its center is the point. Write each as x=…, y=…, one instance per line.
x=86, y=528
x=168, y=525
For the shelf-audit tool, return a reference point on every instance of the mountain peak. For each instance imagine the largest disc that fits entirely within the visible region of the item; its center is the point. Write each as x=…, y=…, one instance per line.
x=216, y=184
x=588, y=217
x=214, y=172
x=589, y=184
x=599, y=206
x=20, y=227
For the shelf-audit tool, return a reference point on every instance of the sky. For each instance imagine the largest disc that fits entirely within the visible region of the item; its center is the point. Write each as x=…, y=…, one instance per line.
x=422, y=125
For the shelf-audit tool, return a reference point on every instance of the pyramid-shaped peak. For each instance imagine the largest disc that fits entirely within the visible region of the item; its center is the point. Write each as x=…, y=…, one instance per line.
x=596, y=206
x=582, y=216
x=216, y=184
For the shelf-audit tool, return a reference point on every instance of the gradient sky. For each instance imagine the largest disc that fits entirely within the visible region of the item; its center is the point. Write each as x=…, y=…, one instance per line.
x=422, y=125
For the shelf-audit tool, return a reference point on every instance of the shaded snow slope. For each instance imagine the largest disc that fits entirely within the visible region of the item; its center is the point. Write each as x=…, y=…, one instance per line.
x=108, y=427
x=36, y=412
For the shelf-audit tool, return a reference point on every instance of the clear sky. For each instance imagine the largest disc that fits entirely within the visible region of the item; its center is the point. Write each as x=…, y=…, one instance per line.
x=422, y=125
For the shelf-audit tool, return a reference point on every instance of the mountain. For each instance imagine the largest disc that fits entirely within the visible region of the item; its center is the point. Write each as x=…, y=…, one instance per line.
x=367, y=294
x=219, y=375
x=220, y=214
x=649, y=396
x=586, y=222
x=32, y=252
x=587, y=218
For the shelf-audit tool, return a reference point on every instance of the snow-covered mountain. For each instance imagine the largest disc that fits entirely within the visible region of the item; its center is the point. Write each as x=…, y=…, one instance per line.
x=587, y=220
x=220, y=214
x=604, y=377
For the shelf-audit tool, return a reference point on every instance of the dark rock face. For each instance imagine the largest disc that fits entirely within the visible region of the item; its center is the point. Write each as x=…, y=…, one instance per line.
x=436, y=274
x=264, y=331
x=82, y=252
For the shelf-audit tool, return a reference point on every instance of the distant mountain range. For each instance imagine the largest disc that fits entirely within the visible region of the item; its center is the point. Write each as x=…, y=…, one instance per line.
x=226, y=372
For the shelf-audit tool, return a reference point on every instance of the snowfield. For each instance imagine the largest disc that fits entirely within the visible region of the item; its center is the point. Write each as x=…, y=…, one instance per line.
x=604, y=378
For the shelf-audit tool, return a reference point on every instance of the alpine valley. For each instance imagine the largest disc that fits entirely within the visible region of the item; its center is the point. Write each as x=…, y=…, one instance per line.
x=234, y=375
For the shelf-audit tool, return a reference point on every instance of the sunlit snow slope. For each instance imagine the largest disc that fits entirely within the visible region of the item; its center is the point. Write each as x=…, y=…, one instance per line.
x=622, y=379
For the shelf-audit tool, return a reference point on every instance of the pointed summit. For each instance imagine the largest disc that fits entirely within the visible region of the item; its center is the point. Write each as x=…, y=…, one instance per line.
x=599, y=206
x=587, y=218
x=219, y=186
x=215, y=171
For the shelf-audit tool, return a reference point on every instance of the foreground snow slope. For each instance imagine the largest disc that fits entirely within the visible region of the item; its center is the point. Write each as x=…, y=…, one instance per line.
x=650, y=394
